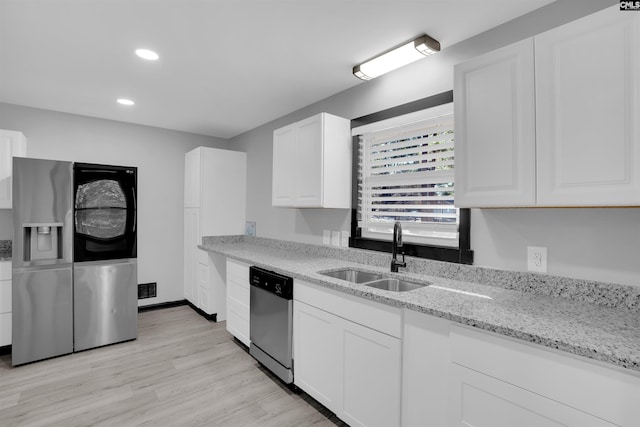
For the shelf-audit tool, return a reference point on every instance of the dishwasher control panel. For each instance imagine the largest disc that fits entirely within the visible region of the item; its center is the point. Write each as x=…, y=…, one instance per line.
x=270, y=281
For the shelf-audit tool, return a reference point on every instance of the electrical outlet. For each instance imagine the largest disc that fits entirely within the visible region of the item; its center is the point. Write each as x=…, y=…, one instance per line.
x=537, y=259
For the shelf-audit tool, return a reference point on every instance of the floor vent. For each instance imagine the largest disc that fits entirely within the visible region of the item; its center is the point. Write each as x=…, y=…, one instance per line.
x=147, y=290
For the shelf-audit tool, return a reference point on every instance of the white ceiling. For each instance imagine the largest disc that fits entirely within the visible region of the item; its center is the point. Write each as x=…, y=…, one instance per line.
x=226, y=66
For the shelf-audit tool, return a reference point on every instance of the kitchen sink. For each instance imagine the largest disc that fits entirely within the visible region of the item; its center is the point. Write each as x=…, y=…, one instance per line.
x=397, y=285
x=374, y=280
x=353, y=276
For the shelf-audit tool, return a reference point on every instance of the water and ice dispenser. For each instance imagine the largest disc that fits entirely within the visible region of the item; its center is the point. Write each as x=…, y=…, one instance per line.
x=43, y=241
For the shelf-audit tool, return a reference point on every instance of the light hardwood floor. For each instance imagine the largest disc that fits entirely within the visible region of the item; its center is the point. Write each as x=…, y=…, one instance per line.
x=181, y=371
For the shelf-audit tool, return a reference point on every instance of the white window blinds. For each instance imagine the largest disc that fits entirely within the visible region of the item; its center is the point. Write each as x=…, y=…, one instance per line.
x=406, y=174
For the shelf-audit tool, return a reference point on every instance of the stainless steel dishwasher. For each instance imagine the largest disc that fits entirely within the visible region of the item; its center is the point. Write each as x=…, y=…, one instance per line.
x=271, y=318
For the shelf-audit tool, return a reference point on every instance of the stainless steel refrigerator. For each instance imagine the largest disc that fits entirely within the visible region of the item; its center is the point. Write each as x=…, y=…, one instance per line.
x=53, y=313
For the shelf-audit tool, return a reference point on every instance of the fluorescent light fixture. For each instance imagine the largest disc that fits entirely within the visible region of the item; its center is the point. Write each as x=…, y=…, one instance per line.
x=147, y=54
x=396, y=58
x=125, y=101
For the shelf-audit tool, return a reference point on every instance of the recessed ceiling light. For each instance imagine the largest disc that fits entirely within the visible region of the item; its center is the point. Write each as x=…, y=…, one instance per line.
x=125, y=101
x=147, y=54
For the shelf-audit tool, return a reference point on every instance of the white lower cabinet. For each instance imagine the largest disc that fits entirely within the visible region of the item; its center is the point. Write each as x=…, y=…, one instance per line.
x=203, y=278
x=191, y=241
x=347, y=354
x=376, y=365
x=318, y=363
x=5, y=303
x=425, y=363
x=479, y=400
x=237, y=275
x=496, y=381
x=371, y=376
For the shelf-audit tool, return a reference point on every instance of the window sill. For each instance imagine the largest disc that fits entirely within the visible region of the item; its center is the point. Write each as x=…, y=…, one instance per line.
x=437, y=253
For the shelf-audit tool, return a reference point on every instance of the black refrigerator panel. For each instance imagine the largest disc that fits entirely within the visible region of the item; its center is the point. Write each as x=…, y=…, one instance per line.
x=104, y=212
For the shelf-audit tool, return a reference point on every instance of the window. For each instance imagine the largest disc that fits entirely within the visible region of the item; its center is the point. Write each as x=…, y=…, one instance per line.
x=405, y=172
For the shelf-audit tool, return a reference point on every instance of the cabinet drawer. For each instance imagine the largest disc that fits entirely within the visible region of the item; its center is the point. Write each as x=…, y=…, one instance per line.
x=5, y=329
x=571, y=380
x=5, y=296
x=5, y=270
x=480, y=400
x=238, y=292
x=379, y=317
x=238, y=321
x=238, y=272
x=202, y=256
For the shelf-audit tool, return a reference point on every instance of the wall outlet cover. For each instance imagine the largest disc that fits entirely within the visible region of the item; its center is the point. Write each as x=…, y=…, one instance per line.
x=250, y=228
x=537, y=259
x=326, y=237
x=344, y=238
x=335, y=238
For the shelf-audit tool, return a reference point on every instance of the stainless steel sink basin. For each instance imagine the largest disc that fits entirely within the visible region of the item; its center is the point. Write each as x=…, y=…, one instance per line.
x=396, y=285
x=374, y=280
x=353, y=276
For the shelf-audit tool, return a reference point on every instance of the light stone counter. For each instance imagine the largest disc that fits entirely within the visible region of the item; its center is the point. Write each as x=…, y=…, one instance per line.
x=554, y=313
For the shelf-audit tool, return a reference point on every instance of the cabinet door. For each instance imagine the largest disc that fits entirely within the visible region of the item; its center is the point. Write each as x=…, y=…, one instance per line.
x=5, y=304
x=425, y=363
x=284, y=166
x=317, y=354
x=238, y=301
x=5, y=296
x=12, y=144
x=309, y=162
x=223, y=196
x=204, y=283
x=372, y=376
x=588, y=95
x=5, y=329
x=192, y=178
x=495, y=128
x=191, y=241
x=478, y=400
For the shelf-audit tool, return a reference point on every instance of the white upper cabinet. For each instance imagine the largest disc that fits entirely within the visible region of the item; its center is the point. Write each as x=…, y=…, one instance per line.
x=553, y=120
x=495, y=128
x=192, y=178
x=312, y=163
x=12, y=144
x=284, y=159
x=587, y=114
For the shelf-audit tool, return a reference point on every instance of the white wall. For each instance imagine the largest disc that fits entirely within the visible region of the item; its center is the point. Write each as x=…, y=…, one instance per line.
x=596, y=244
x=159, y=156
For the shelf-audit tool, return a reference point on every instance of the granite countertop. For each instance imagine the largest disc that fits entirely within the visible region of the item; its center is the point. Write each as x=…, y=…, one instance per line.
x=606, y=334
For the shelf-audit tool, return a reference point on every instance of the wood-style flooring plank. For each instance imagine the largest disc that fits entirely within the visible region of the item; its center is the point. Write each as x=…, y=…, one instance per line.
x=183, y=370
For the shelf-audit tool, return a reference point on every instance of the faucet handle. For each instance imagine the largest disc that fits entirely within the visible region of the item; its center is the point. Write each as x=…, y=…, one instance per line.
x=403, y=263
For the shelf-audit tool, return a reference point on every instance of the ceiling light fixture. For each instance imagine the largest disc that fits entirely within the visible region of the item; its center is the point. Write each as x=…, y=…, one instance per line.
x=397, y=57
x=147, y=54
x=125, y=101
